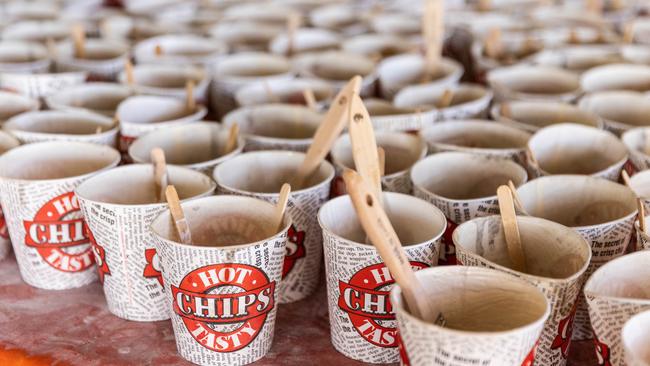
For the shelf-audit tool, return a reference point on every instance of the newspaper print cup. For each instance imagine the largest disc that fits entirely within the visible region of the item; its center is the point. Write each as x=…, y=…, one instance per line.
x=463, y=186
x=569, y=148
x=118, y=206
x=526, y=82
x=620, y=110
x=198, y=146
x=636, y=337
x=615, y=292
x=37, y=183
x=556, y=259
x=7, y=142
x=96, y=97
x=530, y=116
x=491, y=318
x=233, y=267
x=402, y=151
x=23, y=57
x=358, y=283
x=141, y=114
x=602, y=211
x=275, y=126
x=103, y=59
x=285, y=91
x=169, y=80
x=384, y=115
x=637, y=141
x=468, y=100
x=261, y=175
x=40, y=85
x=12, y=104
x=616, y=77
x=63, y=126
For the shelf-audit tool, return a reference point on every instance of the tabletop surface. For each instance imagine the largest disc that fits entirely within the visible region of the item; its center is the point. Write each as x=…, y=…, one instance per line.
x=74, y=327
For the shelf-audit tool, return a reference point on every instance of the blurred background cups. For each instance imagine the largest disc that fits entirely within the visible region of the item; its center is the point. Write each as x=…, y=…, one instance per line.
x=637, y=141
x=275, y=126
x=118, y=206
x=463, y=186
x=41, y=85
x=467, y=101
x=358, y=283
x=285, y=91
x=556, y=259
x=236, y=257
x=20, y=56
x=179, y=49
x=7, y=142
x=169, y=80
x=489, y=317
x=199, y=146
x=642, y=237
x=620, y=110
x=402, y=151
x=63, y=126
x=615, y=292
x=103, y=59
x=46, y=226
x=530, y=116
x=602, y=211
x=570, y=148
x=97, y=97
x=12, y=104
x=636, y=337
x=524, y=82
x=141, y=114
x=640, y=184
x=479, y=137
x=261, y=175
x=616, y=77
x=386, y=116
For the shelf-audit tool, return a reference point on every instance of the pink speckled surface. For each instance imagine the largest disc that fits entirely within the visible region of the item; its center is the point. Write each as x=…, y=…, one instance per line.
x=75, y=327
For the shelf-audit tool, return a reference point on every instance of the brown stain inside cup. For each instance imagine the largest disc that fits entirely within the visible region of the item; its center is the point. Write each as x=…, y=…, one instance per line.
x=599, y=213
x=230, y=230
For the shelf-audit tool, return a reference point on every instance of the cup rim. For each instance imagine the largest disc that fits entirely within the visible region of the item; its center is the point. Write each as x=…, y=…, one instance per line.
x=592, y=293
x=9, y=127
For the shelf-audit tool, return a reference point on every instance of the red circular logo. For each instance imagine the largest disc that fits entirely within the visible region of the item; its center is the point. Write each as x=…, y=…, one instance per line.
x=231, y=319
x=60, y=240
x=365, y=300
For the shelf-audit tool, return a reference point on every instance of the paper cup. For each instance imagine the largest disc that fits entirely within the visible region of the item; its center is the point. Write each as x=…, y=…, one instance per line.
x=286, y=91
x=40, y=85
x=603, y=212
x=642, y=238
x=468, y=100
x=635, y=339
x=616, y=77
x=41, y=126
x=636, y=53
x=243, y=35
x=169, y=80
x=179, y=50
x=12, y=104
x=620, y=110
x=478, y=137
x=103, y=59
x=7, y=142
x=579, y=58
x=236, y=71
x=386, y=116
x=516, y=46
x=556, y=259
x=402, y=151
x=273, y=13
x=397, y=72
x=261, y=175
x=124, y=28
x=337, y=17
x=522, y=82
x=42, y=213
x=27, y=57
x=378, y=45
x=32, y=10
x=396, y=23
x=530, y=116
x=37, y=31
x=232, y=258
x=358, y=283
x=640, y=184
x=275, y=126
x=463, y=186
x=197, y=146
x=101, y=98
x=569, y=148
x=118, y=206
x=491, y=318
x=337, y=67
x=306, y=40
x=142, y=114
x=616, y=292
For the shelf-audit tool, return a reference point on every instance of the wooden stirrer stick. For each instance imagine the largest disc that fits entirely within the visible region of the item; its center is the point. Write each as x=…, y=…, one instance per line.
x=177, y=215
x=433, y=35
x=159, y=172
x=628, y=32
x=445, y=99
x=329, y=129
x=518, y=205
x=189, y=95
x=128, y=70
x=493, y=44
x=79, y=40
x=641, y=208
x=233, y=134
x=364, y=145
x=626, y=179
x=157, y=50
x=381, y=153
x=510, y=228
x=98, y=130
x=376, y=224
x=281, y=206
x=505, y=110
x=293, y=23
x=310, y=99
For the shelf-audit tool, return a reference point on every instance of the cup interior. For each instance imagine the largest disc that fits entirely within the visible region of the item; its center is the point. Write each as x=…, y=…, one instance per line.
x=152, y=109
x=381, y=107
x=55, y=122
x=630, y=108
x=96, y=50
x=464, y=176
x=252, y=65
x=164, y=76
x=577, y=200
x=616, y=77
x=636, y=337
x=550, y=249
x=56, y=160
x=624, y=277
x=535, y=80
x=280, y=121
x=640, y=183
x=135, y=185
x=12, y=104
x=539, y=114
x=415, y=221
x=426, y=97
x=337, y=66
x=20, y=52
x=266, y=171
x=475, y=134
x=100, y=97
x=283, y=91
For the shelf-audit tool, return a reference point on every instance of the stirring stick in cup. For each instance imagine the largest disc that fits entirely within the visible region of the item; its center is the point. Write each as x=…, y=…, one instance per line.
x=505, y=110
x=433, y=35
x=79, y=40
x=493, y=44
x=98, y=130
x=330, y=128
x=364, y=145
x=382, y=160
x=293, y=23
x=641, y=208
x=377, y=226
x=177, y=215
x=445, y=99
x=157, y=50
x=518, y=205
x=128, y=70
x=626, y=179
x=233, y=134
x=510, y=228
x=159, y=172
x=189, y=95
x=281, y=206
x=310, y=99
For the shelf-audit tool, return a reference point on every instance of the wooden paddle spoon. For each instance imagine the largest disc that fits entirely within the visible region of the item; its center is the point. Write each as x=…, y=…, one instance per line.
x=511, y=228
x=364, y=145
x=159, y=172
x=177, y=215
